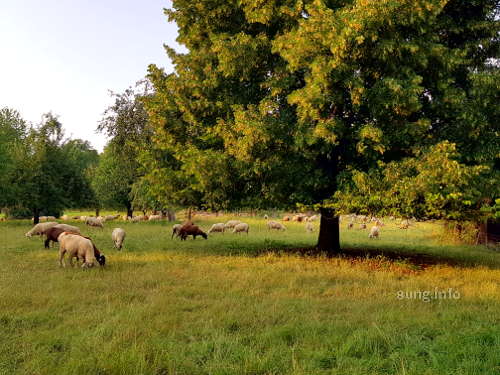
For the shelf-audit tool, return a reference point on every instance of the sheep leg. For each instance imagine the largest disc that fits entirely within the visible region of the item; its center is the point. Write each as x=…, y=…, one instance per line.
x=71, y=258
x=62, y=252
x=47, y=241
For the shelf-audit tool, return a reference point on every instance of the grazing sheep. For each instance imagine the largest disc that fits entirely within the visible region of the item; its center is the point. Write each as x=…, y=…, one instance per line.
x=219, y=227
x=374, y=232
x=52, y=234
x=176, y=229
x=350, y=225
x=68, y=228
x=40, y=228
x=362, y=226
x=286, y=218
x=241, y=227
x=191, y=230
x=75, y=217
x=309, y=227
x=111, y=217
x=275, y=225
x=298, y=218
x=232, y=223
x=118, y=236
x=94, y=222
x=77, y=247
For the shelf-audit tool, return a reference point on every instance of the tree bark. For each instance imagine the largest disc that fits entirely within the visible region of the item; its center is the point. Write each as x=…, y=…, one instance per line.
x=36, y=217
x=130, y=212
x=329, y=234
x=189, y=213
x=97, y=211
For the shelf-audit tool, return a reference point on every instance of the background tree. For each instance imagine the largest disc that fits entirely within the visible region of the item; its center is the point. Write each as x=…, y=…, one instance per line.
x=294, y=95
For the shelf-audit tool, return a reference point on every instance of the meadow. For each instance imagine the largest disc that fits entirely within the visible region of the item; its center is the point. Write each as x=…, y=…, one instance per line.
x=259, y=304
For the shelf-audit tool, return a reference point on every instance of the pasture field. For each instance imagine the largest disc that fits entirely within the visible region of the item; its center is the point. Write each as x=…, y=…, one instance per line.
x=256, y=304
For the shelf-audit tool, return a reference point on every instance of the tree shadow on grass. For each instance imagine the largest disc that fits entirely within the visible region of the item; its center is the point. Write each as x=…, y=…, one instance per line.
x=421, y=258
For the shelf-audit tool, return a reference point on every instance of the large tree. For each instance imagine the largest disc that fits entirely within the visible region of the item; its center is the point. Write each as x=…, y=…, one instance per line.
x=291, y=96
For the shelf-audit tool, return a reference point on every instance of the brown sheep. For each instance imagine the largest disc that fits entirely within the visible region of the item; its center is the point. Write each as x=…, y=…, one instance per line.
x=191, y=230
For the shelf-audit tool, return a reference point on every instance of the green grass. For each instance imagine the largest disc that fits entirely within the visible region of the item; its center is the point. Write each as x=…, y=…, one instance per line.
x=238, y=304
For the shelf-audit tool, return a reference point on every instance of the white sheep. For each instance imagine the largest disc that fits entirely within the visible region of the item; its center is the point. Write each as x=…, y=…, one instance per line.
x=40, y=228
x=374, y=232
x=111, y=217
x=275, y=225
x=241, y=227
x=175, y=229
x=68, y=228
x=83, y=218
x=218, y=227
x=312, y=218
x=155, y=217
x=94, y=222
x=232, y=223
x=77, y=247
x=64, y=217
x=118, y=236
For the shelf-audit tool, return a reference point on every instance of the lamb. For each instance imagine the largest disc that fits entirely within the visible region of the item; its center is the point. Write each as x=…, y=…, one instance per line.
x=241, y=227
x=191, y=230
x=118, y=236
x=175, y=230
x=218, y=227
x=77, y=247
x=374, y=232
x=309, y=227
x=275, y=225
x=94, y=222
x=232, y=223
x=40, y=228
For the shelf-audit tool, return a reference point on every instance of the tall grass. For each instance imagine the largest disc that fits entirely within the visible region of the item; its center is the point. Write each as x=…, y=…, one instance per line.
x=238, y=304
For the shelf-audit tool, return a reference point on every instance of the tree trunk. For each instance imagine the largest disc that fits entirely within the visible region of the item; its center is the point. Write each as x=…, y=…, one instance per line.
x=329, y=236
x=171, y=215
x=189, y=214
x=97, y=211
x=130, y=212
x=36, y=217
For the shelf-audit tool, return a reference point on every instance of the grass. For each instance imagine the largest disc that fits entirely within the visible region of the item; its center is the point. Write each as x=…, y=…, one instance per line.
x=238, y=304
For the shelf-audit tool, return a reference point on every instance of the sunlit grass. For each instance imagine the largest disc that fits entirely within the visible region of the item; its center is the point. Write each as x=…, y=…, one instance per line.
x=238, y=304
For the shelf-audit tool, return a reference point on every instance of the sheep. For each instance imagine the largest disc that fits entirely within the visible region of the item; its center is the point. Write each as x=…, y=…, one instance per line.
x=404, y=225
x=118, y=236
x=191, y=230
x=218, y=227
x=40, y=228
x=350, y=225
x=232, y=223
x=312, y=218
x=309, y=227
x=68, y=228
x=94, y=222
x=77, y=247
x=175, y=230
x=275, y=225
x=266, y=217
x=102, y=219
x=83, y=218
x=53, y=233
x=111, y=217
x=298, y=218
x=286, y=218
x=125, y=218
x=155, y=217
x=64, y=217
x=241, y=227
x=362, y=226
x=374, y=232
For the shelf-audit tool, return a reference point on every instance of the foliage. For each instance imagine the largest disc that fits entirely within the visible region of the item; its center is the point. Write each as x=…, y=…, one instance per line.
x=289, y=100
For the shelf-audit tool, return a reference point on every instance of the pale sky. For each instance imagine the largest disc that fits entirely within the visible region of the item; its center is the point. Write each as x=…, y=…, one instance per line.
x=64, y=55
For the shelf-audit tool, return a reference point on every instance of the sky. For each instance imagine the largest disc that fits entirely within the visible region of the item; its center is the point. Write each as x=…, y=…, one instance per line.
x=63, y=56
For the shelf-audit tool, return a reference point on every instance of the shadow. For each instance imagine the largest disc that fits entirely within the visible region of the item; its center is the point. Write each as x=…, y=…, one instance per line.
x=419, y=260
